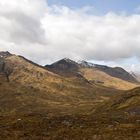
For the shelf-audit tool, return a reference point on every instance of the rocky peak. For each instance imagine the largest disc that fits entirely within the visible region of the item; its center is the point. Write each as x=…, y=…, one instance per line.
x=65, y=60
x=64, y=66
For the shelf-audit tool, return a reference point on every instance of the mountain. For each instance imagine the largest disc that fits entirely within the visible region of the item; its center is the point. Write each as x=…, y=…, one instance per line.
x=94, y=74
x=64, y=67
x=117, y=72
x=63, y=102
x=24, y=85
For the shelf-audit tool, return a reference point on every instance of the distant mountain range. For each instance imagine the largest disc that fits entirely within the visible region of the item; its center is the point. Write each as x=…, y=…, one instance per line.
x=114, y=77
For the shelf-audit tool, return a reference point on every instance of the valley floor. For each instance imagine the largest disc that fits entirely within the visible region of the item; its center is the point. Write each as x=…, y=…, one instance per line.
x=74, y=127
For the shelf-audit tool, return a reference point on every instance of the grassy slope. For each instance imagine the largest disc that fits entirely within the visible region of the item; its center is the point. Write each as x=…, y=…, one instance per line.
x=108, y=81
x=127, y=103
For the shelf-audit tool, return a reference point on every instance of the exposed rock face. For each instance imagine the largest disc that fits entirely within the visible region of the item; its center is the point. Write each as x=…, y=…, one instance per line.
x=5, y=54
x=5, y=68
x=1, y=65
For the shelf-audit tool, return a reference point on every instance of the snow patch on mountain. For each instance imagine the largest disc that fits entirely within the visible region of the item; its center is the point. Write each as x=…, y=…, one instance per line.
x=86, y=64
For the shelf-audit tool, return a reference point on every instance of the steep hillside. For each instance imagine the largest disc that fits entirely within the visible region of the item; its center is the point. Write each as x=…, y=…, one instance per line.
x=29, y=85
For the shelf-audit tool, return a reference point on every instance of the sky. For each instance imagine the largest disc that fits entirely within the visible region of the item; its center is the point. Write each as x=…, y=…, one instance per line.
x=100, y=31
x=101, y=6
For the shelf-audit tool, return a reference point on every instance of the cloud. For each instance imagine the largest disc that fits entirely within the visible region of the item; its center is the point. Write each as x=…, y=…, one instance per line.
x=20, y=20
x=45, y=34
x=107, y=37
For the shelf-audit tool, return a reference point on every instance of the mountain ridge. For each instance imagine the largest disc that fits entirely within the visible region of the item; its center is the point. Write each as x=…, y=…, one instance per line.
x=112, y=71
x=117, y=71
x=97, y=73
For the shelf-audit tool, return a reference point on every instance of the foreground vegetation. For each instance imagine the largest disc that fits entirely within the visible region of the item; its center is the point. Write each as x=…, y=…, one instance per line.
x=39, y=127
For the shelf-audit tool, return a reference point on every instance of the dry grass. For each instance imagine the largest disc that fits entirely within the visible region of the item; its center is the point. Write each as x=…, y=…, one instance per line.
x=38, y=127
x=106, y=80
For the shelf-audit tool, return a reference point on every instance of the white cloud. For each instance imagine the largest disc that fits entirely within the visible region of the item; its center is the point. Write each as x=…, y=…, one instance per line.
x=45, y=34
